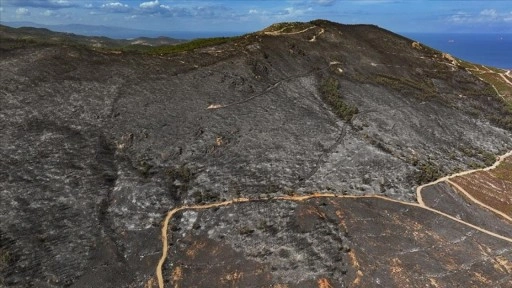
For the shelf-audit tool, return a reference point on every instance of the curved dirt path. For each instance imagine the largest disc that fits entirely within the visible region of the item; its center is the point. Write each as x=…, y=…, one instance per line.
x=300, y=198
x=280, y=32
x=470, y=197
x=500, y=159
x=504, y=76
x=420, y=203
x=171, y=213
x=317, y=35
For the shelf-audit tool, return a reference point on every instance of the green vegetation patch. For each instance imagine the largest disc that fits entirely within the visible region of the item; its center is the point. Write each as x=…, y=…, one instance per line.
x=329, y=91
x=404, y=84
x=191, y=45
x=503, y=87
x=504, y=171
x=486, y=158
x=203, y=197
x=504, y=122
x=492, y=77
x=427, y=172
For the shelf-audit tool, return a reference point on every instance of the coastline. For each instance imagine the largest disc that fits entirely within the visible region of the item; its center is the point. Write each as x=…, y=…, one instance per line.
x=490, y=49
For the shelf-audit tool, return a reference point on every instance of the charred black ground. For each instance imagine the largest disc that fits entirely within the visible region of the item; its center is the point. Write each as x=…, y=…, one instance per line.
x=98, y=144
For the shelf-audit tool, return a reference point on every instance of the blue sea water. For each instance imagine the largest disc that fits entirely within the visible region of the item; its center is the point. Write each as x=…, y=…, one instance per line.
x=488, y=49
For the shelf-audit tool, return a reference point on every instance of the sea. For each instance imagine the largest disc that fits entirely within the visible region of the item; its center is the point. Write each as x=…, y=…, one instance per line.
x=488, y=49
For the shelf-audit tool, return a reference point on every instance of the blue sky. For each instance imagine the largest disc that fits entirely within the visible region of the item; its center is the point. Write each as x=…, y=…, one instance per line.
x=248, y=16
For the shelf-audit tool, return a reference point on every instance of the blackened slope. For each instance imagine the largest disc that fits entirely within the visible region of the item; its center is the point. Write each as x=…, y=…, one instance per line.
x=144, y=139
x=442, y=197
x=347, y=242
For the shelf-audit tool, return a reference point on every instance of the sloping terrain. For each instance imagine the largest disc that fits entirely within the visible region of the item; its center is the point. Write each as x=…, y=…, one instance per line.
x=25, y=36
x=365, y=242
x=444, y=198
x=97, y=146
x=493, y=188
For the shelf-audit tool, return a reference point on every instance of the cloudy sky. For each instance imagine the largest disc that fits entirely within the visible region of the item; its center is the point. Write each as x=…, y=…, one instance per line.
x=247, y=16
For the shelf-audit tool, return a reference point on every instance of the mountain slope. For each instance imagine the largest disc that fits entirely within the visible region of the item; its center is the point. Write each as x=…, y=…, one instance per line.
x=98, y=145
x=30, y=35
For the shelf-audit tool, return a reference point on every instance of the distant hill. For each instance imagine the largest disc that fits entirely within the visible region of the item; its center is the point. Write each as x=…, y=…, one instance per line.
x=48, y=36
x=121, y=32
x=309, y=154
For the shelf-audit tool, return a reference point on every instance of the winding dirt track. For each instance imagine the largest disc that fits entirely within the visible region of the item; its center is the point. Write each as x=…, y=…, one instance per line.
x=447, y=180
x=504, y=76
x=280, y=32
x=420, y=204
x=460, y=189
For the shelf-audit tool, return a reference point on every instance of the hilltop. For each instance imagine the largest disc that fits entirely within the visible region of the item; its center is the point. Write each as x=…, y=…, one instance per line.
x=99, y=144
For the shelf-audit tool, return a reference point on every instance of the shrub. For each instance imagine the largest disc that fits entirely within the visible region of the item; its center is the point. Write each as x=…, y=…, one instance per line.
x=191, y=45
x=425, y=89
x=428, y=172
x=329, y=91
x=184, y=175
x=488, y=158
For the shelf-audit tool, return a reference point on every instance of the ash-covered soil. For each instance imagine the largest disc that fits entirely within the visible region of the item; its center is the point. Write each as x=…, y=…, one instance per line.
x=366, y=242
x=442, y=197
x=97, y=146
x=493, y=188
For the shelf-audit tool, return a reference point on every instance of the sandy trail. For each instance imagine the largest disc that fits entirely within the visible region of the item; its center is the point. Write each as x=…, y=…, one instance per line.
x=280, y=32
x=447, y=179
x=317, y=35
x=503, y=75
x=299, y=198
x=420, y=203
x=457, y=187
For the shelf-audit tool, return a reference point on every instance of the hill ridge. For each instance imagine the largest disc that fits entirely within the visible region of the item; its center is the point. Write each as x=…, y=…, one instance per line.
x=100, y=144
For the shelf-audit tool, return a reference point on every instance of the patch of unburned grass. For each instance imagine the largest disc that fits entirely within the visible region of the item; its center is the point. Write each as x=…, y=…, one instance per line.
x=504, y=170
x=492, y=76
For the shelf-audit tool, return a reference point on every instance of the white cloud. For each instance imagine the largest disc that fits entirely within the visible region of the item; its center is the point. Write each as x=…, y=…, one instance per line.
x=508, y=17
x=484, y=16
x=154, y=8
x=22, y=12
x=116, y=7
x=48, y=13
x=460, y=17
x=150, y=4
x=324, y=2
x=210, y=11
x=48, y=4
x=291, y=12
x=490, y=13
